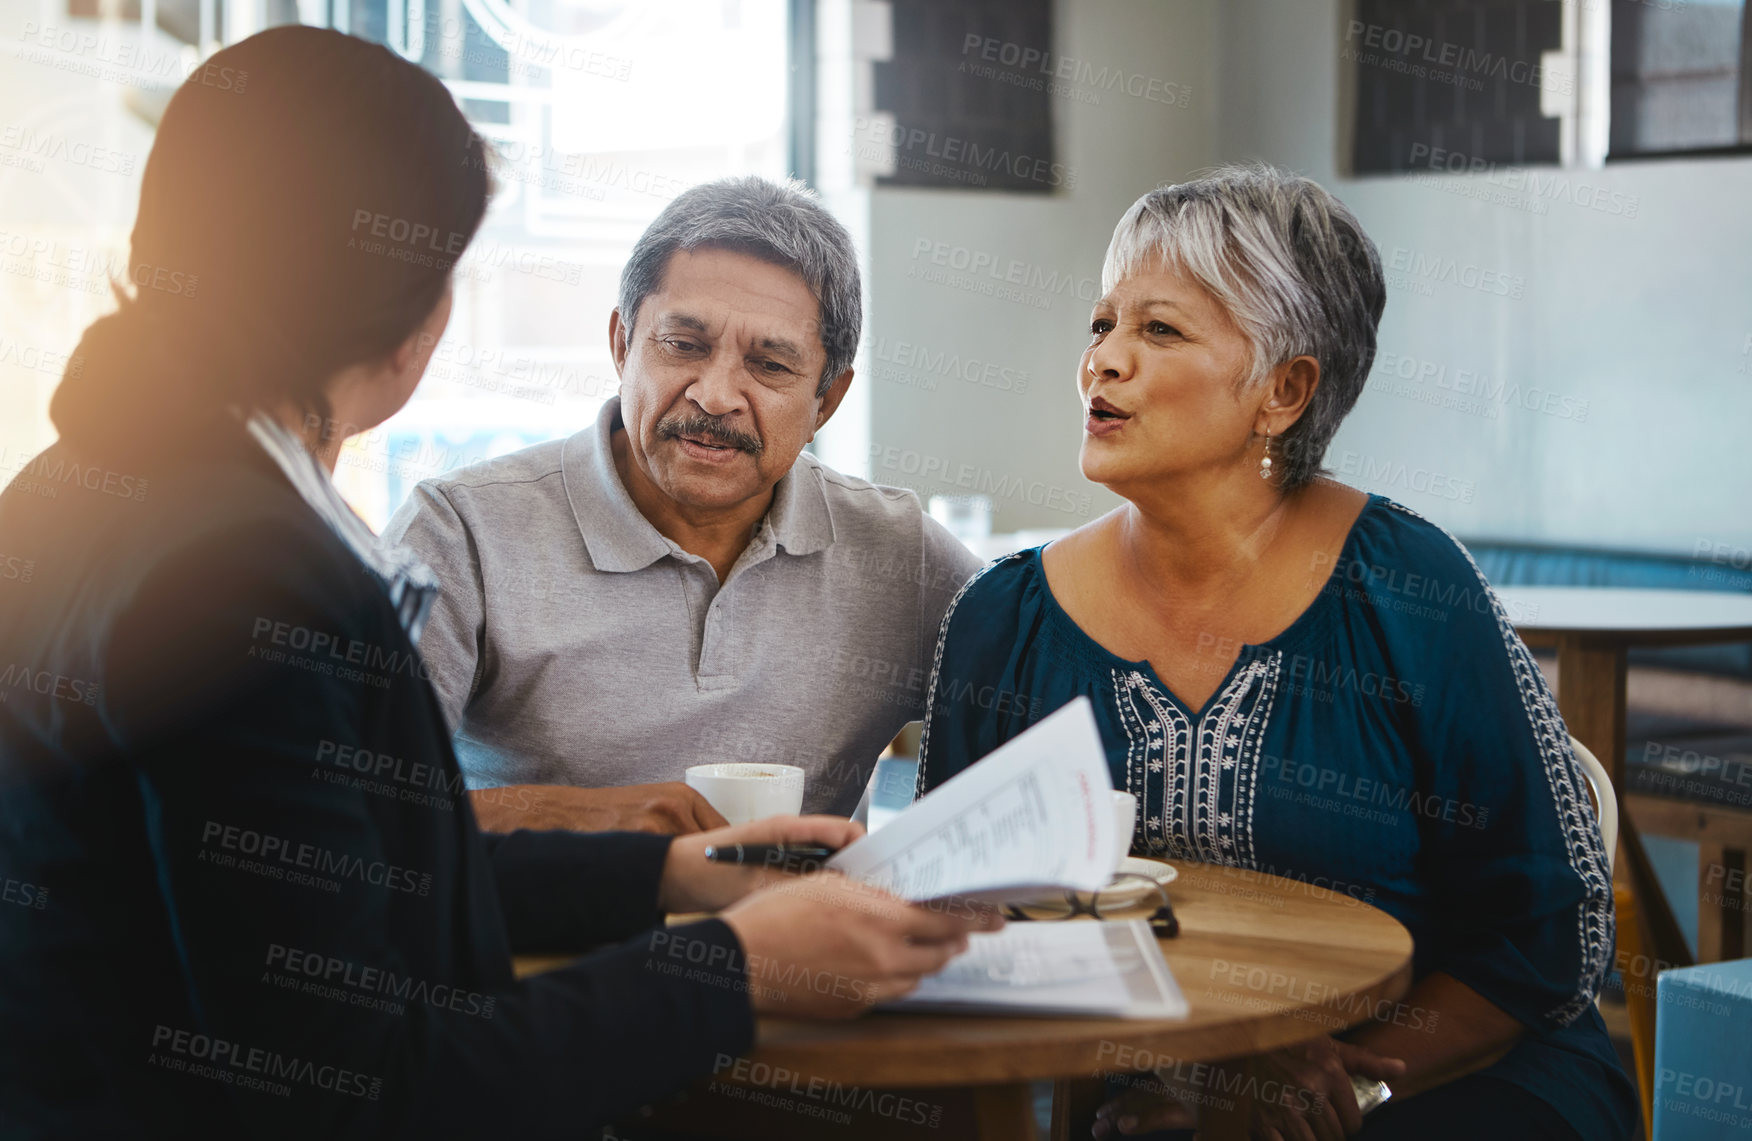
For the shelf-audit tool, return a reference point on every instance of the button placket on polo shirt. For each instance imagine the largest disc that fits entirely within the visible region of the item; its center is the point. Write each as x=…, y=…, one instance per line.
x=717, y=646
x=720, y=655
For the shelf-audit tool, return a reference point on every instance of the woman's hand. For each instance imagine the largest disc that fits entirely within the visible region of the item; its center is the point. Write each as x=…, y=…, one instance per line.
x=824, y=946
x=1142, y=1111
x=1316, y=1102
x=692, y=883
x=1301, y=1093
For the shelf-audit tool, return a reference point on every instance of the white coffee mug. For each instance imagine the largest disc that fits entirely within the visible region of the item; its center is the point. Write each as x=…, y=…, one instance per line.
x=742, y=792
x=1125, y=817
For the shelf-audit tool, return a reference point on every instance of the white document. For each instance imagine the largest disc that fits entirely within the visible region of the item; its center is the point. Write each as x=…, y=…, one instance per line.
x=1078, y=968
x=1034, y=816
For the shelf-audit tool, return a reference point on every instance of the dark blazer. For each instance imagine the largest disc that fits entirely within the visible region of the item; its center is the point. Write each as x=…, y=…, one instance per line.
x=242, y=891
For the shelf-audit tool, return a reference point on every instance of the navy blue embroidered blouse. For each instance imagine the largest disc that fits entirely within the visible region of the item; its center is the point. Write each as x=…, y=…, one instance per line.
x=1397, y=743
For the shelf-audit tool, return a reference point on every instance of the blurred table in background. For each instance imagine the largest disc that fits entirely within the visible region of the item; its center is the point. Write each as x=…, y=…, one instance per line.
x=1592, y=629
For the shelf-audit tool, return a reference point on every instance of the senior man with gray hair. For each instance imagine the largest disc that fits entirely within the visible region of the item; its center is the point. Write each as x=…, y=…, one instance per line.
x=680, y=583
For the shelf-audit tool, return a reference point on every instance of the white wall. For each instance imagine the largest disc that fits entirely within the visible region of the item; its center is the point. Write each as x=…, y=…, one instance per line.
x=1021, y=446
x=1643, y=311
x=1632, y=328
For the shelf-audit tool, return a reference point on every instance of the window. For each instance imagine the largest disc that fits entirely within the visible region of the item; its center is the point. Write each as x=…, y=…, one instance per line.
x=602, y=110
x=963, y=100
x=1681, y=80
x=1484, y=83
x=1466, y=77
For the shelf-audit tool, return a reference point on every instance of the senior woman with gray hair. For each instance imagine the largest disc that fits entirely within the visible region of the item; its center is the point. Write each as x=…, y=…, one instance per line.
x=1296, y=677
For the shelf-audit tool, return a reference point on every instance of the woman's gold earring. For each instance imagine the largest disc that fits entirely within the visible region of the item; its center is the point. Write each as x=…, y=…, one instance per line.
x=1265, y=460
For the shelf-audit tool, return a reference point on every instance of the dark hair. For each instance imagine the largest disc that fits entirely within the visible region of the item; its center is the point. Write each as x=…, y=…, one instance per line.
x=304, y=202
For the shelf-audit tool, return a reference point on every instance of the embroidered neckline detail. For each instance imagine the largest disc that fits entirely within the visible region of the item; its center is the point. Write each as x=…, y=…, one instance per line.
x=1196, y=780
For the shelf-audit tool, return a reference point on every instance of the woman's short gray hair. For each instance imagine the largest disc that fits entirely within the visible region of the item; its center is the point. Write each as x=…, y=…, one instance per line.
x=782, y=223
x=1292, y=267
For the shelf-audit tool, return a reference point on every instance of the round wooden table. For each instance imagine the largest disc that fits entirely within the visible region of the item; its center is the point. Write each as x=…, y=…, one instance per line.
x=1263, y=962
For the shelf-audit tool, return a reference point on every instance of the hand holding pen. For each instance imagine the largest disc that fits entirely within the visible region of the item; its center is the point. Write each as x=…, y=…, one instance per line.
x=707, y=871
x=798, y=858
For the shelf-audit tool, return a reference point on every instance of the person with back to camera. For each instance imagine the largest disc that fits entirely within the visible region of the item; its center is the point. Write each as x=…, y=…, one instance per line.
x=235, y=932
x=1298, y=678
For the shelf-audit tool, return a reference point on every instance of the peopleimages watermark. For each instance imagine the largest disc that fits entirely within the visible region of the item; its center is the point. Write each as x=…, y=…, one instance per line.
x=1687, y=771
x=1724, y=887
x=39, y=474
x=1417, y=272
x=1041, y=69
x=885, y=564
x=16, y=568
x=1523, y=188
x=683, y=957
x=686, y=957
x=760, y=1083
x=1730, y=566
x=518, y=375
x=1403, y=476
x=23, y=894
x=410, y=458
x=47, y=683
x=279, y=642
x=1362, y=797
x=1443, y=61
x=33, y=358
x=879, y=671
x=1706, y=1098
x=569, y=172
x=303, y=863
x=1332, y=1007
x=1371, y=581
x=919, y=366
x=372, y=988
x=1723, y=554
x=987, y=274
x=411, y=782
x=1469, y=391
x=524, y=54
x=253, y=1067
x=951, y=155
x=53, y=262
x=28, y=148
x=1203, y=1084
x=126, y=60
x=938, y=471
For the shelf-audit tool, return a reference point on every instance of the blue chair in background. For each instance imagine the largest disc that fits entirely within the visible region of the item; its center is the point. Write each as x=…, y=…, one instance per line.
x=1703, y=1053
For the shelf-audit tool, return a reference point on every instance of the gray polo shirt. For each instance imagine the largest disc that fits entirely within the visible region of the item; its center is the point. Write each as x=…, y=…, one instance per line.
x=571, y=643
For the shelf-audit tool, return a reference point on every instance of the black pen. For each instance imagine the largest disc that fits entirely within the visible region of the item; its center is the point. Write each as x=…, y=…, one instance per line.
x=786, y=856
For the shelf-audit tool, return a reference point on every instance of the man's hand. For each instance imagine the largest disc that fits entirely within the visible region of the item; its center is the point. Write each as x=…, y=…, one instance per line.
x=692, y=883
x=823, y=946
x=671, y=808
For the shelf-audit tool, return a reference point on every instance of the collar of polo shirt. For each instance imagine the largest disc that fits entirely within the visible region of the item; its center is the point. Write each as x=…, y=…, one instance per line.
x=619, y=538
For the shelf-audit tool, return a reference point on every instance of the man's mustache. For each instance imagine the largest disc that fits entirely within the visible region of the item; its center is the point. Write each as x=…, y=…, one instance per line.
x=711, y=429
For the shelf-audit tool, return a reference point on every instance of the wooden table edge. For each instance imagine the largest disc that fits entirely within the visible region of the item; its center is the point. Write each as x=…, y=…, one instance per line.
x=954, y=1065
